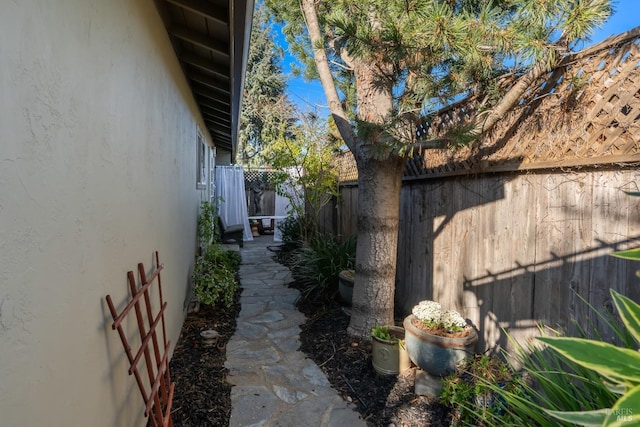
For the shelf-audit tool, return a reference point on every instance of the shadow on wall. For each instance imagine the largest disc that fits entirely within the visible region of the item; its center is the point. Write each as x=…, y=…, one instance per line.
x=552, y=292
x=524, y=254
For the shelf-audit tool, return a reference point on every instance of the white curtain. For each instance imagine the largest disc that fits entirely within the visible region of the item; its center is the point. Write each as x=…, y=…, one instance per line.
x=283, y=205
x=230, y=187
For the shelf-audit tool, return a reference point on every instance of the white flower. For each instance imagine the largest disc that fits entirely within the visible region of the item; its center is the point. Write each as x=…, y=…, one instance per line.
x=428, y=311
x=451, y=319
x=431, y=313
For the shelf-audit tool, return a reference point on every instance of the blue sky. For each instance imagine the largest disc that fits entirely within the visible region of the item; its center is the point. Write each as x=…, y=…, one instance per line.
x=309, y=95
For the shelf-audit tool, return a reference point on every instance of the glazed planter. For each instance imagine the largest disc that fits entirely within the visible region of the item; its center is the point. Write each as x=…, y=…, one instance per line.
x=435, y=354
x=345, y=286
x=390, y=357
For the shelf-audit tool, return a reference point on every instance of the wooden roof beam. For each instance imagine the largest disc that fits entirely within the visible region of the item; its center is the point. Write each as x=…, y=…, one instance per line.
x=205, y=9
x=201, y=40
x=213, y=115
x=211, y=85
x=207, y=65
x=212, y=101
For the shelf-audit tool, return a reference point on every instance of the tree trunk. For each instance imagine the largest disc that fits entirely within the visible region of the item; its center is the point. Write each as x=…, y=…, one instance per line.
x=379, y=179
x=379, y=183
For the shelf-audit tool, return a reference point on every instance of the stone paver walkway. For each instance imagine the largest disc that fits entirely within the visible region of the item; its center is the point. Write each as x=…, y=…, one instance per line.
x=274, y=384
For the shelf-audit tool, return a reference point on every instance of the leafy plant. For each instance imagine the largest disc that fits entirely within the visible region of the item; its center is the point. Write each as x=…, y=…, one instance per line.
x=206, y=223
x=382, y=332
x=214, y=271
x=620, y=367
x=302, y=155
x=474, y=391
x=214, y=276
x=291, y=237
x=546, y=380
x=317, y=266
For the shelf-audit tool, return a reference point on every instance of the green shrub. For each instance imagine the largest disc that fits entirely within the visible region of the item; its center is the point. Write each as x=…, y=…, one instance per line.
x=214, y=276
x=291, y=235
x=473, y=392
x=206, y=223
x=554, y=382
x=316, y=266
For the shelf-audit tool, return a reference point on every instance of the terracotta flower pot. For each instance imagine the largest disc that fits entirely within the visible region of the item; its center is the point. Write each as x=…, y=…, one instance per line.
x=434, y=354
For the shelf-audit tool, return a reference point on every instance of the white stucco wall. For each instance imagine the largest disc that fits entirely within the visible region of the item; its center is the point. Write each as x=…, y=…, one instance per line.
x=97, y=171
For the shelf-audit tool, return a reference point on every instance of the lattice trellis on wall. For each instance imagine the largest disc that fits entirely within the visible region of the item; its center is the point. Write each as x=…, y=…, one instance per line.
x=585, y=112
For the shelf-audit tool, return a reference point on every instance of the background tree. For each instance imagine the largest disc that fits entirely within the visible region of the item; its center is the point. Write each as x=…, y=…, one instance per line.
x=385, y=63
x=302, y=159
x=263, y=91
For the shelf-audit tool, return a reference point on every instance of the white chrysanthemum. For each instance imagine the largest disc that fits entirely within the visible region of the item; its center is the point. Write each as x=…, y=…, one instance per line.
x=451, y=319
x=427, y=311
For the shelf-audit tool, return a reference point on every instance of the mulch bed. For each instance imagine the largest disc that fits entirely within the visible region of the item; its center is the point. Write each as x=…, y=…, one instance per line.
x=202, y=396
x=381, y=400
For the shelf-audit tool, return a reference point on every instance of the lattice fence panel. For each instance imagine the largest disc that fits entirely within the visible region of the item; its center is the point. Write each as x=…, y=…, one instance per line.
x=584, y=112
x=259, y=179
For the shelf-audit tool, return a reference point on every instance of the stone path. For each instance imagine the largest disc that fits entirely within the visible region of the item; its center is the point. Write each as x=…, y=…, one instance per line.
x=274, y=384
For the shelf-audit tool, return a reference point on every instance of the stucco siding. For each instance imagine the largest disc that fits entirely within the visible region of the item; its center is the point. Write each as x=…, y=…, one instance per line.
x=97, y=171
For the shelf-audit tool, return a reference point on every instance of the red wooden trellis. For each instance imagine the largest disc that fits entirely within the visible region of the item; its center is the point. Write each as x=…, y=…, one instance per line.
x=158, y=392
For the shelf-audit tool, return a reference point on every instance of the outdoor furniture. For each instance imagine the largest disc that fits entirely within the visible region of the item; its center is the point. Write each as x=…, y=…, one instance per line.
x=266, y=229
x=263, y=224
x=230, y=232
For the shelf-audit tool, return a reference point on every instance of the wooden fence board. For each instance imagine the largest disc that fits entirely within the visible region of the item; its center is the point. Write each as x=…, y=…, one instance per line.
x=512, y=250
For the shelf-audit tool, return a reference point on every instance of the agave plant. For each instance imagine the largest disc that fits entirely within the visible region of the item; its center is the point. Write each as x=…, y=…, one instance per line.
x=620, y=366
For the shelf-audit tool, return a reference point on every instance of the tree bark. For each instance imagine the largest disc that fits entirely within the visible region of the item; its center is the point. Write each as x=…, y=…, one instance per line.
x=379, y=179
x=326, y=79
x=511, y=98
x=379, y=183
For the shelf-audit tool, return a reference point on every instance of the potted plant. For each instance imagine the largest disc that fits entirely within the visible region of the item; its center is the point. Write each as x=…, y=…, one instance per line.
x=389, y=354
x=437, y=340
x=345, y=285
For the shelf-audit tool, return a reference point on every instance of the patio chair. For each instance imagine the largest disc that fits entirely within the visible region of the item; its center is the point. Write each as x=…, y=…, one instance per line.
x=230, y=232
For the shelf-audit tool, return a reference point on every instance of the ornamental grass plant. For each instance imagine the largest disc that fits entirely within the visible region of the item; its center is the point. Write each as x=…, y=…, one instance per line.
x=317, y=265
x=470, y=392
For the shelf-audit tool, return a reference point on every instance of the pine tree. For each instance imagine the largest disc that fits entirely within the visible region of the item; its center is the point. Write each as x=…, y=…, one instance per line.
x=384, y=64
x=264, y=91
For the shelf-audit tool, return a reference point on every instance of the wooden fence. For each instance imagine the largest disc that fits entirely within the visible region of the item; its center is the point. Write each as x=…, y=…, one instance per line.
x=512, y=250
x=513, y=231
x=260, y=192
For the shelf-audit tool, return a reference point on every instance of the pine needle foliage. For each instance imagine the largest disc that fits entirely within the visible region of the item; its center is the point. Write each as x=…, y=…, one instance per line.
x=439, y=50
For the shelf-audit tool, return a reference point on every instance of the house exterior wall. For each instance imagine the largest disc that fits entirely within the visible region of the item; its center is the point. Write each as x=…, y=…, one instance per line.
x=97, y=171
